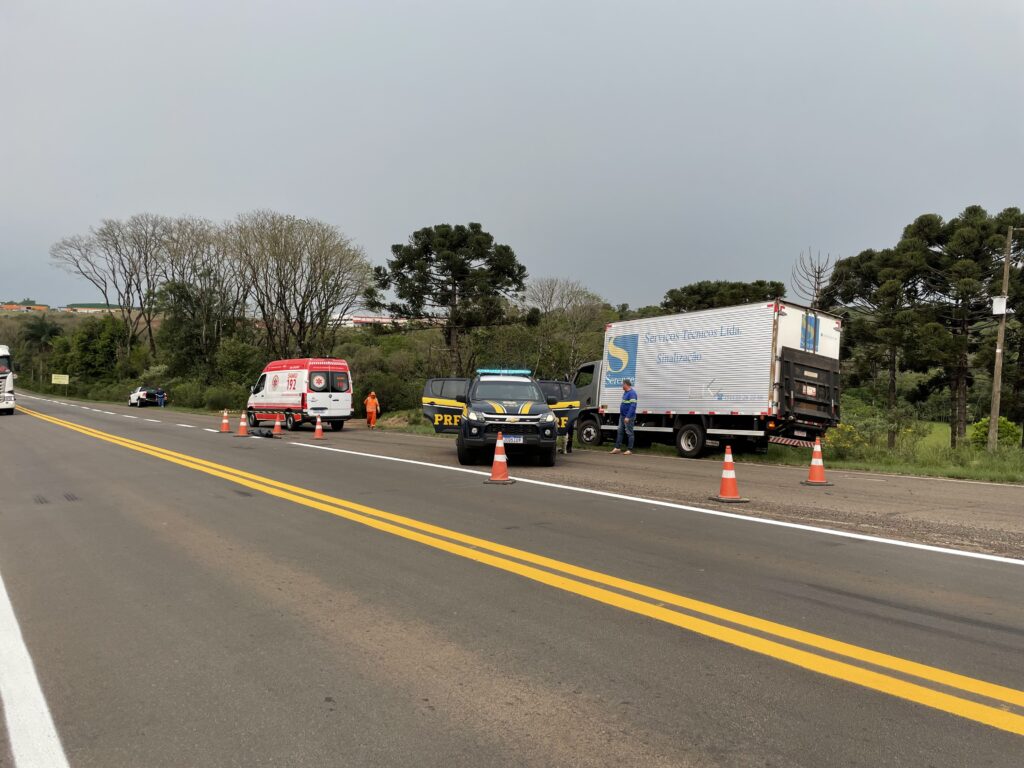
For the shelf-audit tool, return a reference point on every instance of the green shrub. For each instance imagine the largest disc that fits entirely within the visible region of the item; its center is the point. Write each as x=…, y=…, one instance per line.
x=232, y=396
x=188, y=394
x=110, y=391
x=1009, y=433
x=239, y=362
x=846, y=441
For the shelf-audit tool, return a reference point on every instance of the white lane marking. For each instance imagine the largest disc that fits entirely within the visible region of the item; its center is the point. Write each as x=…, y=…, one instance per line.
x=30, y=729
x=109, y=413
x=207, y=429
x=186, y=426
x=129, y=416
x=687, y=508
x=155, y=421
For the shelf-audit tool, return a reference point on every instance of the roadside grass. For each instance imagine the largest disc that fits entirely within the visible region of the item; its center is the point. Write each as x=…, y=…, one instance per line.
x=929, y=456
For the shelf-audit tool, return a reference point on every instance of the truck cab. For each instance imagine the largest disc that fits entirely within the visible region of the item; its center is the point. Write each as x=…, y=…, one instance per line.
x=7, y=401
x=497, y=400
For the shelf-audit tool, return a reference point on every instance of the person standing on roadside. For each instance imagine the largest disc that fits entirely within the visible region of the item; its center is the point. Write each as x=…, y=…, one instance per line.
x=372, y=410
x=161, y=396
x=627, y=418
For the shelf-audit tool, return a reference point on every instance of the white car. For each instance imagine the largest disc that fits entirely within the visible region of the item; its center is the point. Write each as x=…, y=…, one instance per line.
x=141, y=396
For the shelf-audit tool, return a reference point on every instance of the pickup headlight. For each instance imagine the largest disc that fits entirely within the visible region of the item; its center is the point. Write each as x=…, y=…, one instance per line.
x=548, y=417
x=474, y=416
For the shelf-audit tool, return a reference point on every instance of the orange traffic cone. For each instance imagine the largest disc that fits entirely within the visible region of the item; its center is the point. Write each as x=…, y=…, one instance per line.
x=243, y=429
x=817, y=474
x=225, y=423
x=318, y=433
x=499, y=469
x=729, y=491
x=277, y=426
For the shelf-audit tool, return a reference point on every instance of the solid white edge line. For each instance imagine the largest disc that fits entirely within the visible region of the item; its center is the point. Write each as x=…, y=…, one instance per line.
x=30, y=730
x=687, y=508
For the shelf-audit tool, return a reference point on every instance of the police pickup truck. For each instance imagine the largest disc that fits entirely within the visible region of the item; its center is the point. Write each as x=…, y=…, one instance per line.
x=499, y=400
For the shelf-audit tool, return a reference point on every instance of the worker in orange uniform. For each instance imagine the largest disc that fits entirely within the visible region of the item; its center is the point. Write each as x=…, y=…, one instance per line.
x=372, y=410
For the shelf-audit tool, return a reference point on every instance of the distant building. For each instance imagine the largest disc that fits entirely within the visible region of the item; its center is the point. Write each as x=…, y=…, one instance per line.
x=363, y=321
x=24, y=307
x=89, y=308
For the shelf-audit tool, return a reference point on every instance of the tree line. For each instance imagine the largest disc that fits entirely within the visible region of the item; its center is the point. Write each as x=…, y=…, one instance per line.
x=208, y=304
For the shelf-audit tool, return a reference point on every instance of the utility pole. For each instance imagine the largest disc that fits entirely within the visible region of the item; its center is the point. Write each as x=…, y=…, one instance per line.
x=997, y=372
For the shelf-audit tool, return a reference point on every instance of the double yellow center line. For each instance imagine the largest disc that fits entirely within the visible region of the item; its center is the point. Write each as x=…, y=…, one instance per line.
x=991, y=704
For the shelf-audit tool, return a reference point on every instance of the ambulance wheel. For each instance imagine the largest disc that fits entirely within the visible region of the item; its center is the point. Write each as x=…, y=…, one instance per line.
x=289, y=422
x=547, y=458
x=250, y=417
x=337, y=426
x=690, y=441
x=589, y=432
x=467, y=456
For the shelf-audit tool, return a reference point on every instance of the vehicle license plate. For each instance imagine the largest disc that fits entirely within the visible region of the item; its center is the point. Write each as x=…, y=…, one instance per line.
x=513, y=439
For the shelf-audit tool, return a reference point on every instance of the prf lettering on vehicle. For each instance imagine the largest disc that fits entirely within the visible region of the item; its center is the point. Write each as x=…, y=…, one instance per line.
x=447, y=419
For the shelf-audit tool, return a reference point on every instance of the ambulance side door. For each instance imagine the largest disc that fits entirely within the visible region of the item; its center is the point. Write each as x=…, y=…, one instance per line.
x=568, y=406
x=440, y=404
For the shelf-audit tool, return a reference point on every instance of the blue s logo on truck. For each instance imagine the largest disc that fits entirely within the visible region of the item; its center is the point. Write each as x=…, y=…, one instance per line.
x=809, y=333
x=620, y=360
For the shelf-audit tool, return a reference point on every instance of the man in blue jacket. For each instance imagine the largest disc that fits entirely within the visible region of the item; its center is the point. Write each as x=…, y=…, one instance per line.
x=627, y=418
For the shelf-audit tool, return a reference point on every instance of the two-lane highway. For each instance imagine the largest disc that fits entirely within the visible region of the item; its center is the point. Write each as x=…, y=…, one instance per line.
x=190, y=598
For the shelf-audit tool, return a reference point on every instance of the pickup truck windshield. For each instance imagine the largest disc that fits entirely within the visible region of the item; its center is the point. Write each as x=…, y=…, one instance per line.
x=507, y=390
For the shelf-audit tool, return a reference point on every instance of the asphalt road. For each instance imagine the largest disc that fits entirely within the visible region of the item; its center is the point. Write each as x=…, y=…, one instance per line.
x=329, y=607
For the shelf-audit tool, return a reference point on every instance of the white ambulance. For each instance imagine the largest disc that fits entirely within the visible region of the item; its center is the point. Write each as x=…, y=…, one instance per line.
x=297, y=391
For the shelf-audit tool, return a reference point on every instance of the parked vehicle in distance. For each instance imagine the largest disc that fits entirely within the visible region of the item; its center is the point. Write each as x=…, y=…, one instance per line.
x=299, y=390
x=142, y=396
x=7, y=400
x=743, y=376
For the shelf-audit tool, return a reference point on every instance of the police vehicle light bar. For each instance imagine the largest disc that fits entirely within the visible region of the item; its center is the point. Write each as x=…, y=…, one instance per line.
x=504, y=372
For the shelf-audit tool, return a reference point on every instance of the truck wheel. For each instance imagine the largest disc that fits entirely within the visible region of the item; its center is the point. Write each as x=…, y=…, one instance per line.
x=547, y=458
x=289, y=422
x=690, y=441
x=589, y=432
x=467, y=456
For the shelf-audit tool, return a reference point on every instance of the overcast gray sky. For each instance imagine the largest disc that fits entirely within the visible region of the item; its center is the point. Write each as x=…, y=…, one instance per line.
x=636, y=146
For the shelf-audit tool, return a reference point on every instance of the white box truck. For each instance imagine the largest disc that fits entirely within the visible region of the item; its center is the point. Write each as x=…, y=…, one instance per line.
x=744, y=376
